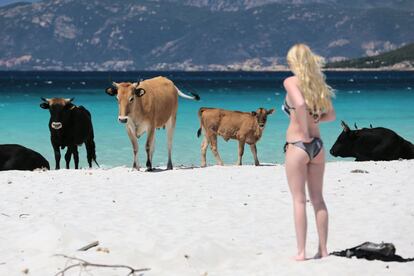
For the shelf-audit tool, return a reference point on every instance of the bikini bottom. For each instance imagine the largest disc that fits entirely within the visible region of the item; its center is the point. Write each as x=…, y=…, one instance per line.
x=312, y=148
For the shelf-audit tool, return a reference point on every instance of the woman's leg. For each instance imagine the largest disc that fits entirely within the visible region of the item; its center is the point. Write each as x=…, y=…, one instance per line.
x=296, y=172
x=316, y=170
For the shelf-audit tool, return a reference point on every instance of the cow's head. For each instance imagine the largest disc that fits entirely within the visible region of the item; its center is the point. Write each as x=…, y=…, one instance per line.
x=343, y=146
x=126, y=93
x=261, y=116
x=59, y=109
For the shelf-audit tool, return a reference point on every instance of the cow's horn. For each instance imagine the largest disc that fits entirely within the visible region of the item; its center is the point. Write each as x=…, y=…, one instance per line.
x=135, y=84
x=344, y=126
x=43, y=99
x=69, y=100
x=355, y=125
x=115, y=84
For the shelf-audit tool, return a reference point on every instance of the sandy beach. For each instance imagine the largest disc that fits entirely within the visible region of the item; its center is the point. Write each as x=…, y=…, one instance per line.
x=200, y=221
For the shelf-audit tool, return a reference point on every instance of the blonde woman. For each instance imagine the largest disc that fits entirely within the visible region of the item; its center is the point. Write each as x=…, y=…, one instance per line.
x=307, y=103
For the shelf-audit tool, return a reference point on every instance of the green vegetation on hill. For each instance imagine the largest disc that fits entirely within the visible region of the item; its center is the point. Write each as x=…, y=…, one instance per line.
x=403, y=54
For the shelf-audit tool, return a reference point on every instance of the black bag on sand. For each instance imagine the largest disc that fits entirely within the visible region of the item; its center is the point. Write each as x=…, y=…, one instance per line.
x=373, y=251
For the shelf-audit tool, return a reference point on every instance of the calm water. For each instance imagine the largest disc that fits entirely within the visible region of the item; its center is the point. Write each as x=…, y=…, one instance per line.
x=378, y=98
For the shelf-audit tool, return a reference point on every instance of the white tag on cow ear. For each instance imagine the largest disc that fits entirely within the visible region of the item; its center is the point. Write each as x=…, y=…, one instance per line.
x=139, y=92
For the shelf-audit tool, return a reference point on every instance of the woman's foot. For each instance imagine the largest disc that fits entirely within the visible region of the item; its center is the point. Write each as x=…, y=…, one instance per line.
x=300, y=257
x=321, y=254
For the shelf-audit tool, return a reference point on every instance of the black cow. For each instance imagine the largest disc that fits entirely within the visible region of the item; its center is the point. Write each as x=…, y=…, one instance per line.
x=70, y=126
x=17, y=157
x=376, y=144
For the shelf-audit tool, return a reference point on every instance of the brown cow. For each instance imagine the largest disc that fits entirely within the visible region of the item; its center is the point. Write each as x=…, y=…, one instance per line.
x=247, y=127
x=145, y=106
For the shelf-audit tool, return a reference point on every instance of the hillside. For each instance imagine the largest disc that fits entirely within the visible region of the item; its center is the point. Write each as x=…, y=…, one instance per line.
x=247, y=4
x=399, y=59
x=193, y=34
x=232, y=5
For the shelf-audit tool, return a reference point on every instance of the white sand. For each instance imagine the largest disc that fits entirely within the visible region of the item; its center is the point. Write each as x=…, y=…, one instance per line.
x=226, y=220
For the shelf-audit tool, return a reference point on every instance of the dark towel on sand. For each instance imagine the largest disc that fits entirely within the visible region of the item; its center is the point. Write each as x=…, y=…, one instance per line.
x=373, y=251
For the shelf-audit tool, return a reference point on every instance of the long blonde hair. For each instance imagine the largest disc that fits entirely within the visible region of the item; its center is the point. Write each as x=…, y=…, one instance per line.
x=307, y=66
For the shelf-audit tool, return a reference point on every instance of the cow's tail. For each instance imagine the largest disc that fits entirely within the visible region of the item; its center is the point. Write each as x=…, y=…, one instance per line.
x=94, y=152
x=194, y=96
x=200, y=111
x=91, y=149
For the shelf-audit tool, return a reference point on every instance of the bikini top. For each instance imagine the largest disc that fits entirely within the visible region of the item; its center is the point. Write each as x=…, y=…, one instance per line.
x=287, y=108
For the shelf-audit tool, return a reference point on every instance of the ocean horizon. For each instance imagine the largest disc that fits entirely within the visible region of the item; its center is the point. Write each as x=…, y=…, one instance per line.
x=377, y=98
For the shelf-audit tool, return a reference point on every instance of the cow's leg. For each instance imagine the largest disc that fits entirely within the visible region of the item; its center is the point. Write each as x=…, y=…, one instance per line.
x=204, y=146
x=152, y=147
x=170, y=133
x=57, y=156
x=133, y=138
x=76, y=156
x=213, y=145
x=68, y=156
x=149, y=147
x=254, y=152
x=241, y=151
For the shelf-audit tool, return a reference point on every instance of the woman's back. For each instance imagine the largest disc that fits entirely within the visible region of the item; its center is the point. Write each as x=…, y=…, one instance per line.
x=295, y=98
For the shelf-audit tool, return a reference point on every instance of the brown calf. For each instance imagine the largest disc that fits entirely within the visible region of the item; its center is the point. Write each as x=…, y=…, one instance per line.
x=246, y=127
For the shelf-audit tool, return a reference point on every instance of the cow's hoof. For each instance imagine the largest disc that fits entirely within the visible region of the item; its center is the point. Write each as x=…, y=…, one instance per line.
x=257, y=164
x=203, y=165
x=169, y=167
x=150, y=170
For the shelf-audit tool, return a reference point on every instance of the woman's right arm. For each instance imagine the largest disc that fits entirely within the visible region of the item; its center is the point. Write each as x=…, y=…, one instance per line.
x=298, y=102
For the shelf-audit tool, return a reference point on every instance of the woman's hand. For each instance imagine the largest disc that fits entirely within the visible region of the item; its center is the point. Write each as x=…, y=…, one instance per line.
x=328, y=116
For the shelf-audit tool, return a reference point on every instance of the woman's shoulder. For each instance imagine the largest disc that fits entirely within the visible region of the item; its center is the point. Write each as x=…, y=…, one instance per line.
x=291, y=80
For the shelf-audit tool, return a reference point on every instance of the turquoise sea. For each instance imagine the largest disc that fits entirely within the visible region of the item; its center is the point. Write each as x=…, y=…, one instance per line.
x=378, y=98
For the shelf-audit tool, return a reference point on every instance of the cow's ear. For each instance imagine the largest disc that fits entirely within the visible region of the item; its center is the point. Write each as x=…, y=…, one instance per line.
x=111, y=91
x=69, y=101
x=345, y=126
x=270, y=111
x=139, y=92
x=44, y=105
x=69, y=105
x=253, y=113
